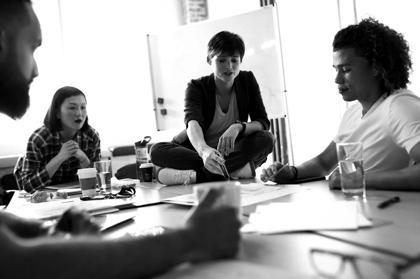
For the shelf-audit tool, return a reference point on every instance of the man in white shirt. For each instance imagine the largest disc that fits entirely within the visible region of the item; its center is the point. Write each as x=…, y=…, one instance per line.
x=372, y=63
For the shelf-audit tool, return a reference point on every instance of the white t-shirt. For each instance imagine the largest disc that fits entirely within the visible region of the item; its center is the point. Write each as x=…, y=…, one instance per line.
x=388, y=131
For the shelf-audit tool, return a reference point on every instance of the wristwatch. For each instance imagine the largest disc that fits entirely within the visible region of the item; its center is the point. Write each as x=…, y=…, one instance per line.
x=243, y=124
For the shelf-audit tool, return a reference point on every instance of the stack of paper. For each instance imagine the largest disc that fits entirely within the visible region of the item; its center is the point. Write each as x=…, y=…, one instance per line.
x=298, y=216
x=251, y=193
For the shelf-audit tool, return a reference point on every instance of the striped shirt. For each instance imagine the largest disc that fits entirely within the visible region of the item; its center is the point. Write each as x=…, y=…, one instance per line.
x=43, y=145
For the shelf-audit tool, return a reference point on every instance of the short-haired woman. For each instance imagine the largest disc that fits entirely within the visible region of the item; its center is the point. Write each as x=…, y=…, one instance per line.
x=218, y=134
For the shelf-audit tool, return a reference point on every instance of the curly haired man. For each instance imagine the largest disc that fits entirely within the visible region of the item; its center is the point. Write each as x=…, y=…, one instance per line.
x=372, y=64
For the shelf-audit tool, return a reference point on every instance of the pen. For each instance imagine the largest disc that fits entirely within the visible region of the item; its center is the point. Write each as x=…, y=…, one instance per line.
x=388, y=202
x=225, y=171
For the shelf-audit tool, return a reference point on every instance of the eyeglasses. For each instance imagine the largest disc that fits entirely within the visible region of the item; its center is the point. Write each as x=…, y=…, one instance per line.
x=330, y=264
x=125, y=192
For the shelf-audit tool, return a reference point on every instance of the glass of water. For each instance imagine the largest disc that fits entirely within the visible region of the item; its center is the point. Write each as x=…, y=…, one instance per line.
x=350, y=163
x=104, y=174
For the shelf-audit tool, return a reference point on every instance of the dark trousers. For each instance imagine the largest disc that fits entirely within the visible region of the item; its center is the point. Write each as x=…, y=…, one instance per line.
x=251, y=148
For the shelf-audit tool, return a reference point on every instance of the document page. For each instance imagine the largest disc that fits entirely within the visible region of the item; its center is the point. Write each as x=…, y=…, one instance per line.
x=251, y=193
x=299, y=216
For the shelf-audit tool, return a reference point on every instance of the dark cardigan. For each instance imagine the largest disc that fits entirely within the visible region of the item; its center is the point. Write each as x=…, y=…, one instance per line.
x=200, y=102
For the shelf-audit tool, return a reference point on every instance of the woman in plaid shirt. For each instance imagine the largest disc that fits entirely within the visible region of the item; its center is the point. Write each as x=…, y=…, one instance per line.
x=65, y=143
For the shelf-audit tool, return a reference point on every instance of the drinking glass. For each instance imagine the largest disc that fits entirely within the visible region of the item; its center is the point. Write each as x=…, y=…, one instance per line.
x=104, y=174
x=350, y=163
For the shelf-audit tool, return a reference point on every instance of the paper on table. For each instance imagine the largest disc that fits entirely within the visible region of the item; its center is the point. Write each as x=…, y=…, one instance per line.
x=297, y=216
x=69, y=185
x=250, y=194
x=55, y=208
x=20, y=206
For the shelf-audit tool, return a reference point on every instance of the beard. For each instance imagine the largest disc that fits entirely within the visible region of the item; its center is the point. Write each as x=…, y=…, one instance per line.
x=14, y=93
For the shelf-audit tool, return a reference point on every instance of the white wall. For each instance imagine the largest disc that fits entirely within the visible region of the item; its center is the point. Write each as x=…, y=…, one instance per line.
x=314, y=104
x=99, y=46
x=102, y=50
x=106, y=55
x=226, y=8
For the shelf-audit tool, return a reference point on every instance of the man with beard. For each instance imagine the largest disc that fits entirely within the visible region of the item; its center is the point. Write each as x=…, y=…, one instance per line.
x=35, y=249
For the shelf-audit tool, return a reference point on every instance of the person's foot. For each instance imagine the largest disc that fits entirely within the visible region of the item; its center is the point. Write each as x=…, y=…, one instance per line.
x=247, y=171
x=170, y=176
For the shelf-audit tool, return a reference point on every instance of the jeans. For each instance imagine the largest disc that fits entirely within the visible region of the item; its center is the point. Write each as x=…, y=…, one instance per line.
x=251, y=148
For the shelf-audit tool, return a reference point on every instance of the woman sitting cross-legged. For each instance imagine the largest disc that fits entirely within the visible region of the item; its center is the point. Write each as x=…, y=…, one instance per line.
x=217, y=134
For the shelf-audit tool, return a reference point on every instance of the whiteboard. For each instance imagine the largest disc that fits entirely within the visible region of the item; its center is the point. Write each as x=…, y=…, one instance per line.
x=179, y=55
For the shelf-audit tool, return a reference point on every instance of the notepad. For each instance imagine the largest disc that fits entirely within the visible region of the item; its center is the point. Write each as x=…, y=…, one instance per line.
x=299, y=216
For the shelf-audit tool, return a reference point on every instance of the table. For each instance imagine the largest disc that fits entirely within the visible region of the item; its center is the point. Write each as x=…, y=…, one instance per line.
x=287, y=255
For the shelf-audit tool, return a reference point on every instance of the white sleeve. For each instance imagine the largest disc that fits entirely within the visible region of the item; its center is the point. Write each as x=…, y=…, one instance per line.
x=404, y=120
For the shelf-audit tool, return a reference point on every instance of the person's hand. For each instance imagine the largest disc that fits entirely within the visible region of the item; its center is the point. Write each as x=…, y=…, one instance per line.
x=68, y=149
x=334, y=180
x=212, y=160
x=75, y=222
x=278, y=173
x=214, y=232
x=226, y=143
x=82, y=157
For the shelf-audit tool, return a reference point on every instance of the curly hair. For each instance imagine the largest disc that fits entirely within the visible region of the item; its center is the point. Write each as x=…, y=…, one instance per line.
x=384, y=48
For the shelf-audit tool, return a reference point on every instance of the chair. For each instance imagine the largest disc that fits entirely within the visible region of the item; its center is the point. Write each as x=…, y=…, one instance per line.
x=119, y=157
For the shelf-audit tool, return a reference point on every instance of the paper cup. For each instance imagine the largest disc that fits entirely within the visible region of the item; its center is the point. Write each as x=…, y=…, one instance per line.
x=87, y=181
x=231, y=195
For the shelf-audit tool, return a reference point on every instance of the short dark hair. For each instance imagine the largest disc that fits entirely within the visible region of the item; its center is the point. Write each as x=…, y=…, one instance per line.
x=225, y=42
x=13, y=10
x=51, y=120
x=384, y=48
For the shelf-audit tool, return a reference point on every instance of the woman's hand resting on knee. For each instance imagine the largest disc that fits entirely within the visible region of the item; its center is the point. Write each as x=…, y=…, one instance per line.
x=212, y=160
x=226, y=143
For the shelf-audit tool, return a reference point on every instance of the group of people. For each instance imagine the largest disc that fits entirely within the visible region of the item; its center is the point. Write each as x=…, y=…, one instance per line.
x=226, y=134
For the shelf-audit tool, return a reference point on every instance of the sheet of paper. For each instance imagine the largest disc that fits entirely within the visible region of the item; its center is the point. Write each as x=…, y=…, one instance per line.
x=55, y=208
x=21, y=206
x=298, y=216
x=250, y=194
x=70, y=185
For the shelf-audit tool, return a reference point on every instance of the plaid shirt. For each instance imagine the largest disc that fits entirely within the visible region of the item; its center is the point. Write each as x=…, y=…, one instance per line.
x=43, y=145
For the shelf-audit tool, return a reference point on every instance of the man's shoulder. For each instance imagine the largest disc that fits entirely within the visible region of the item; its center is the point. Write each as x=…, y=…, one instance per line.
x=402, y=95
x=402, y=99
